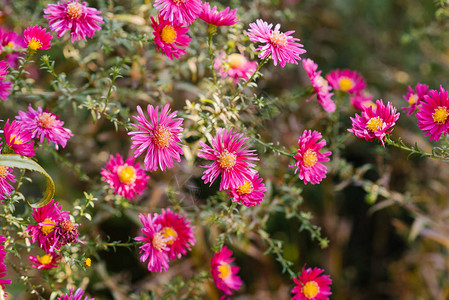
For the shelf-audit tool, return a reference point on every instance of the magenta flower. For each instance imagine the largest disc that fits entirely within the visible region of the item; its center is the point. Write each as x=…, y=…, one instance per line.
x=77, y=296
x=414, y=98
x=280, y=46
x=5, y=85
x=45, y=262
x=178, y=230
x=361, y=100
x=230, y=158
x=127, y=179
x=235, y=66
x=44, y=124
x=433, y=114
x=66, y=232
x=375, y=122
x=225, y=275
x=320, y=85
x=70, y=15
x=346, y=81
x=18, y=139
x=249, y=194
x=159, y=136
x=179, y=11
x=309, y=159
x=226, y=17
x=155, y=247
x=37, y=38
x=5, y=187
x=170, y=38
x=3, y=266
x=11, y=45
x=311, y=285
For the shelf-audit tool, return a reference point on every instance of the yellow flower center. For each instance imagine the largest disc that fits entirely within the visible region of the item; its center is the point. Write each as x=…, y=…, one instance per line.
x=375, y=124
x=10, y=44
x=3, y=171
x=159, y=241
x=34, y=44
x=345, y=84
x=278, y=39
x=14, y=140
x=170, y=232
x=162, y=136
x=227, y=160
x=47, y=229
x=440, y=115
x=74, y=10
x=87, y=262
x=67, y=226
x=126, y=174
x=224, y=269
x=236, y=61
x=168, y=34
x=46, y=120
x=45, y=260
x=413, y=98
x=309, y=158
x=310, y=289
x=246, y=188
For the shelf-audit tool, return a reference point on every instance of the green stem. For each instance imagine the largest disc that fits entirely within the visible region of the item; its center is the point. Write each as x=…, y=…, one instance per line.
x=211, y=56
x=272, y=148
x=414, y=150
x=238, y=92
x=19, y=183
x=115, y=73
x=22, y=68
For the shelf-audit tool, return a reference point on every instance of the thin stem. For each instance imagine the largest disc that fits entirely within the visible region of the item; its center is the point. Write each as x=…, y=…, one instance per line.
x=414, y=150
x=238, y=92
x=211, y=56
x=22, y=68
x=272, y=148
x=115, y=73
x=19, y=183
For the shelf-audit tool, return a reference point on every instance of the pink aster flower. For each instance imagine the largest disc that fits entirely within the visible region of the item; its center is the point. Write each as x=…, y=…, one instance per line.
x=433, y=114
x=320, y=85
x=155, y=247
x=178, y=228
x=37, y=38
x=281, y=46
x=415, y=97
x=346, y=81
x=11, y=45
x=225, y=275
x=375, y=122
x=45, y=262
x=170, y=38
x=127, y=179
x=18, y=139
x=249, y=194
x=230, y=158
x=226, y=17
x=44, y=124
x=70, y=15
x=311, y=285
x=179, y=11
x=361, y=100
x=309, y=159
x=3, y=266
x=159, y=137
x=5, y=187
x=5, y=85
x=66, y=232
x=78, y=295
x=235, y=66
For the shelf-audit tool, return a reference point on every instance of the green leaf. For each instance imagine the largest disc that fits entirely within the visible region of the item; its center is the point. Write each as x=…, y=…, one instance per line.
x=22, y=162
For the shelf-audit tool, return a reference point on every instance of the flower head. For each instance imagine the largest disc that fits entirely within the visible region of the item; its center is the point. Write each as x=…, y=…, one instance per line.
x=2, y=265
x=155, y=247
x=320, y=85
x=77, y=18
x=178, y=228
x=5, y=85
x=375, y=122
x=251, y=193
x=159, y=137
x=11, y=45
x=281, y=46
x=127, y=179
x=225, y=275
x=230, y=158
x=37, y=38
x=346, y=81
x=311, y=285
x=77, y=296
x=414, y=97
x=5, y=187
x=170, y=38
x=361, y=100
x=235, y=66
x=433, y=114
x=18, y=139
x=309, y=158
x=45, y=262
x=226, y=17
x=179, y=11
x=44, y=124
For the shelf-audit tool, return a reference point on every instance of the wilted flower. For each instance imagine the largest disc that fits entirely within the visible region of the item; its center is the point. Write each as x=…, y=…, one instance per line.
x=225, y=275
x=433, y=114
x=37, y=38
x=311, y=285
x=320, y=85
x=170, y=38
x=251, y=193
x=179, y=11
